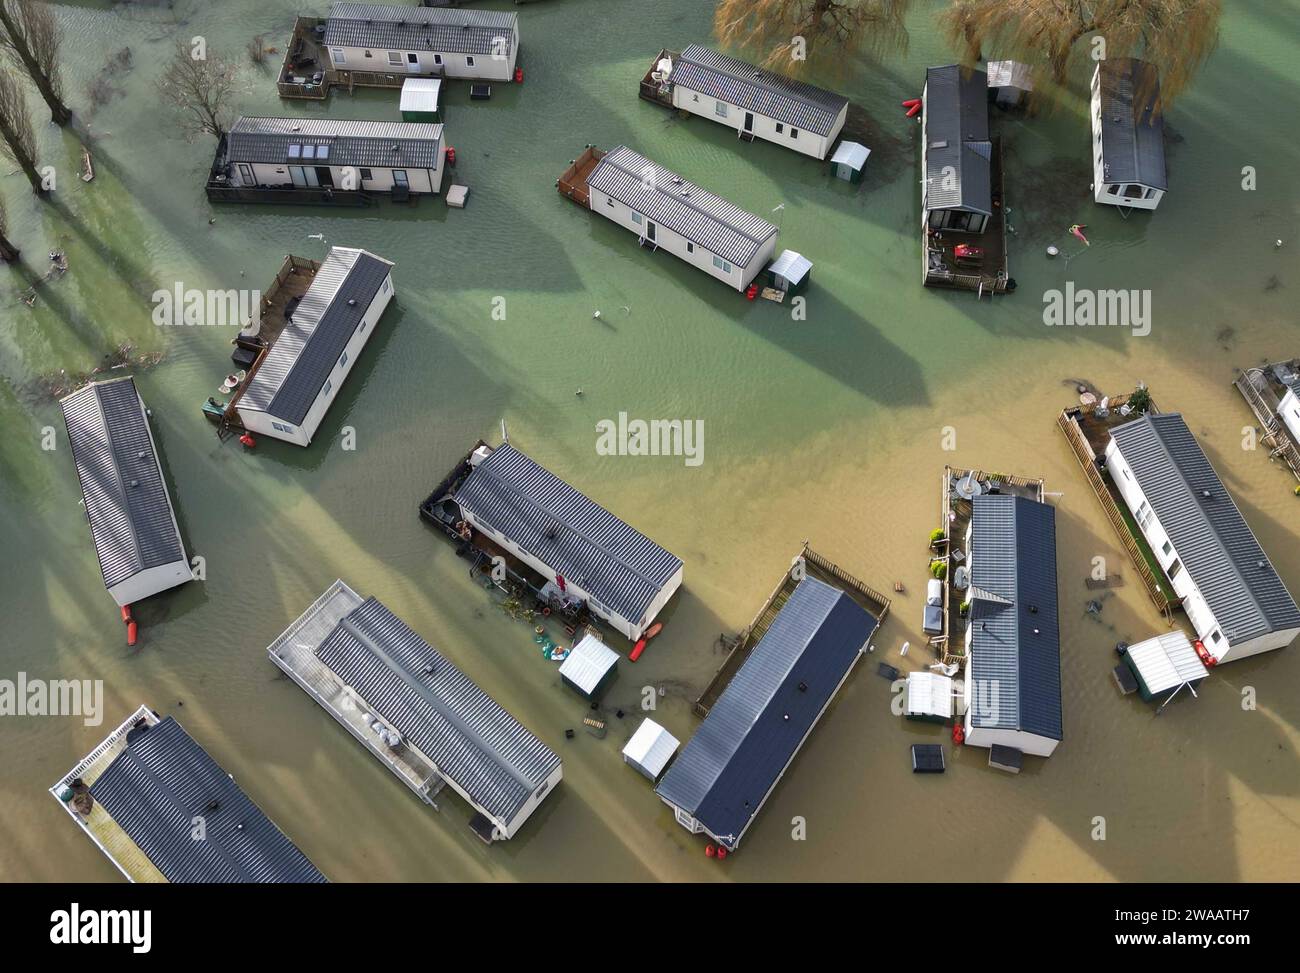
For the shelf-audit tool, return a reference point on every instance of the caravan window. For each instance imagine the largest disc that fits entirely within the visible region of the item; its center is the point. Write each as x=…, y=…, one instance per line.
x=338, y=56
x=779, y=128
x=794, y=133
x=721, y=109
x=1132, y=191
x=469, y=62
x=394, y=57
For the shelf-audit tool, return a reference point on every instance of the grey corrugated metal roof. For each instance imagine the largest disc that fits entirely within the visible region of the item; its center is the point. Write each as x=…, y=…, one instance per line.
x=958, y=153
x=1213, y=541
x=659, y=194
x=1015, y=655
x=161, y=782
x=1132, y=129
x=747, y=86
x=416, y=690
x=727, y=769
x=389, y=145
x=575, y=536
x=295, y=369
x=126, y=498
x=393, y=28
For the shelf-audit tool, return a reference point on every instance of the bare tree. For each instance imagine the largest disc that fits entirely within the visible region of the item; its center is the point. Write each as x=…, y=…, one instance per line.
x=1175, y=35
x=787, y=34
x=17, y=140
x=200, y=86
x=8, y=251
x=31, y=37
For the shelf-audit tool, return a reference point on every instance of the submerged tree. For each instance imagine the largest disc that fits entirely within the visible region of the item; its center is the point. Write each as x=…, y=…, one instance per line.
x=786, y=34
x=1174, y=35
x=199, y=86
x=30, y=35
x=17, y=139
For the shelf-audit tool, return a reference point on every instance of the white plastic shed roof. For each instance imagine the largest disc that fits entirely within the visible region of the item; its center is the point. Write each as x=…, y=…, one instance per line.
x=1167, y=661
x=929, y=694
x=651, y=747
x=588, y=663
x=792, y=266
x=420, y=94
x=852, y=154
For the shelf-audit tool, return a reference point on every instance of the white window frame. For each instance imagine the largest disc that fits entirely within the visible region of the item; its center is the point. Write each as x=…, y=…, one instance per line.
x=337, y=55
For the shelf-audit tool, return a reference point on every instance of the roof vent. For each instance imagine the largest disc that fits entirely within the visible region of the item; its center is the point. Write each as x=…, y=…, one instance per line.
x=141, y=455
x=352, y=302
x=1033, y=609
x=942, y=144
x=803, y=687
x=1207, y=494
x=135, y=483
x=552, y=530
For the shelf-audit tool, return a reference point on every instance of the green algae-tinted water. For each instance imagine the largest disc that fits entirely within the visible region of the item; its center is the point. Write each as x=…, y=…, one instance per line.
x=828, y=429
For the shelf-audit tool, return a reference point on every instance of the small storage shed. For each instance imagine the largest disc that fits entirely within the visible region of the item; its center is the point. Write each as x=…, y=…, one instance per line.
x=421, y=100
x=590, y=667
x=790, y=272
x=929, y=697
x=1006, y=758
x=650, y=749
x=927, y=758
x=1009, y=82
x=849, y=161
x=1164, y=664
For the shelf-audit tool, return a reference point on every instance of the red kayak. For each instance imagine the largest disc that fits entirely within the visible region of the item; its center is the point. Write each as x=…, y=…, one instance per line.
x=636, y=650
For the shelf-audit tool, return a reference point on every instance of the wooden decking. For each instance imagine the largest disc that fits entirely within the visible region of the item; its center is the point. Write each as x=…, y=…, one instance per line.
x=956, y=511
x=130, y=860
x=660, y=93
x=940, y=267
x=573, y=182
x=303, y=57
x=1088, y=435
x=814, y=566
x=294, y=277
x=1263, y=393
x=294, y=653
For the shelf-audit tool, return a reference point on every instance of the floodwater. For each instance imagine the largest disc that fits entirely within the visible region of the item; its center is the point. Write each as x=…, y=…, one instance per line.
x=828, y=429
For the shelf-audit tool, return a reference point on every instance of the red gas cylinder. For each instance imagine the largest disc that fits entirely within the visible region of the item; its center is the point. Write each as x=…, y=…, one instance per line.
x=710, y=850
x=451, y=156
x=958, y=734
x=126, y=613
x=722, y=852
x=908, y=103
x=636, y=650
x=132, y=632
x=247, y=440
x=914, y=110
x=1204, y=653
x=519, y=75
x=752, y=292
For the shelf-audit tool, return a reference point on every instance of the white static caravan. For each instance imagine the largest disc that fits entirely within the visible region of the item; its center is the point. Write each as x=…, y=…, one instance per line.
x=123, y=491
x=956, y=152
x=574, y=543
x=1013, y=642
x=1128, y=135
x=416, y=711
x=310, y=153
x=667, y=212
x=757, y=103
x=477, y=45
x=293, y=386
x=1231, y=592
x=1288, y=409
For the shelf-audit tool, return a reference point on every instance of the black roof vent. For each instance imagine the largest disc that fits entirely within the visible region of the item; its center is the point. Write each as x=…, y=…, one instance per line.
x=803, y=687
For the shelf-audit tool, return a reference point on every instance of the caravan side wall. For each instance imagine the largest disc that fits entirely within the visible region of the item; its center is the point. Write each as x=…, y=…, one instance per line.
x=429, y=63
x=766, y=128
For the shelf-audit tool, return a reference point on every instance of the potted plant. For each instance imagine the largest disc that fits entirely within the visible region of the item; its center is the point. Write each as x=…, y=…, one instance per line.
x=939, y=569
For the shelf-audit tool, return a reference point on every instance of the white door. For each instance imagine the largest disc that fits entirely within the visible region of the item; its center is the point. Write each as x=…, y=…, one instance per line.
x=412, y=63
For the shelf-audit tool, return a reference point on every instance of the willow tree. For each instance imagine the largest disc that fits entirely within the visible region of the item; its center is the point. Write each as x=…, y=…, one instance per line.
x=786, y=34
x=1174, y=35
x=200, y=87
x=17, y=138
x=30, y=35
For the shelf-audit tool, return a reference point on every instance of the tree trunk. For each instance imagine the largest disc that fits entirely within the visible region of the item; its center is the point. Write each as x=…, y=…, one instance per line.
x=8, y=252
x=27, y=164
x=60, y=113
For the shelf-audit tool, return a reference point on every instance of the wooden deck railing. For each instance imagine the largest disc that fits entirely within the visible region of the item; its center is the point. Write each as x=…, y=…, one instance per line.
x=1087, y=460
x=1275, y=436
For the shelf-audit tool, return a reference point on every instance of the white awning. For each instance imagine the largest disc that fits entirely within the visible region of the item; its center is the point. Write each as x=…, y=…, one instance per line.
x=1166, y=662
x=929, y=694
x=588, y=663
x=650, y=748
